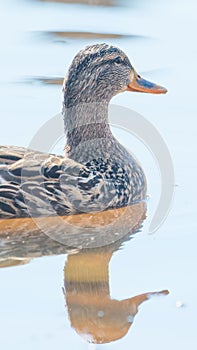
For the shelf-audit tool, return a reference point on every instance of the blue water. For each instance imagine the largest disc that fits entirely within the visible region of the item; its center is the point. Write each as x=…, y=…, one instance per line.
x=33, y=313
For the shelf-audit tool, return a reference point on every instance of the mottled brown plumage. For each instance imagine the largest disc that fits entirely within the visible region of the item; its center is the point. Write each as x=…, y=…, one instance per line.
x=97, y=172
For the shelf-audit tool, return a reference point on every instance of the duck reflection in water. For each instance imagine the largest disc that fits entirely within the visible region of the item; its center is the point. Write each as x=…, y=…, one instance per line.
x=92, y=312
x=94, y=315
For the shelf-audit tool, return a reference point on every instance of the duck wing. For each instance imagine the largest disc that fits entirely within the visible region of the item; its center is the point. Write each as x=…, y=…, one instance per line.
x=11, y=154
x=33, y=184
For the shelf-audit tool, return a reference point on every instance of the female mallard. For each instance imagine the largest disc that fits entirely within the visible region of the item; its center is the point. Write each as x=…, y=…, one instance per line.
x=97, y=173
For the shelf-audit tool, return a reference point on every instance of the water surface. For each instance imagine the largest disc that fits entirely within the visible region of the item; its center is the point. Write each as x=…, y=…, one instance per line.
x=37, y=49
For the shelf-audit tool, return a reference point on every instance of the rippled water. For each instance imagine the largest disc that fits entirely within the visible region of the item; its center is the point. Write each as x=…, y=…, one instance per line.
x=38, y=42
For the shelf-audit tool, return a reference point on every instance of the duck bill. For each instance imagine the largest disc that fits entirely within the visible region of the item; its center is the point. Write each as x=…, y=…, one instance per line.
x=141, y=85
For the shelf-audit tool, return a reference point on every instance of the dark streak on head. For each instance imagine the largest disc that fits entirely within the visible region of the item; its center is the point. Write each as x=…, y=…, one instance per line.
x=96, y=74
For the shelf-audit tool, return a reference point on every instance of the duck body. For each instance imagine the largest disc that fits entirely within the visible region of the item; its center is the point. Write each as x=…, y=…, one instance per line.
x=37, y=184
x=97, y=172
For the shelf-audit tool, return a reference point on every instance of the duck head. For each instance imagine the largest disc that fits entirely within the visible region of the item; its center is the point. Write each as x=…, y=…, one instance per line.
x=101, y=71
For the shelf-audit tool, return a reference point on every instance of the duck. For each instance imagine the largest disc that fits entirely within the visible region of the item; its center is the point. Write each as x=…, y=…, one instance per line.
x=96, y=173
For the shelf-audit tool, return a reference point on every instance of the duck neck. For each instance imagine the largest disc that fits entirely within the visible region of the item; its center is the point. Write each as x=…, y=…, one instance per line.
x=86, y=122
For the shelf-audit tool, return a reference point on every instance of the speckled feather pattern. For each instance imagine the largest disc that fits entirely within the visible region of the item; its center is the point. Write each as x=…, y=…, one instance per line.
x=39, y=184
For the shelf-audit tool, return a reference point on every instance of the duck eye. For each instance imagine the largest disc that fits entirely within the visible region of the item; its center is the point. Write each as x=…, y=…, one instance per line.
x=118, y=60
